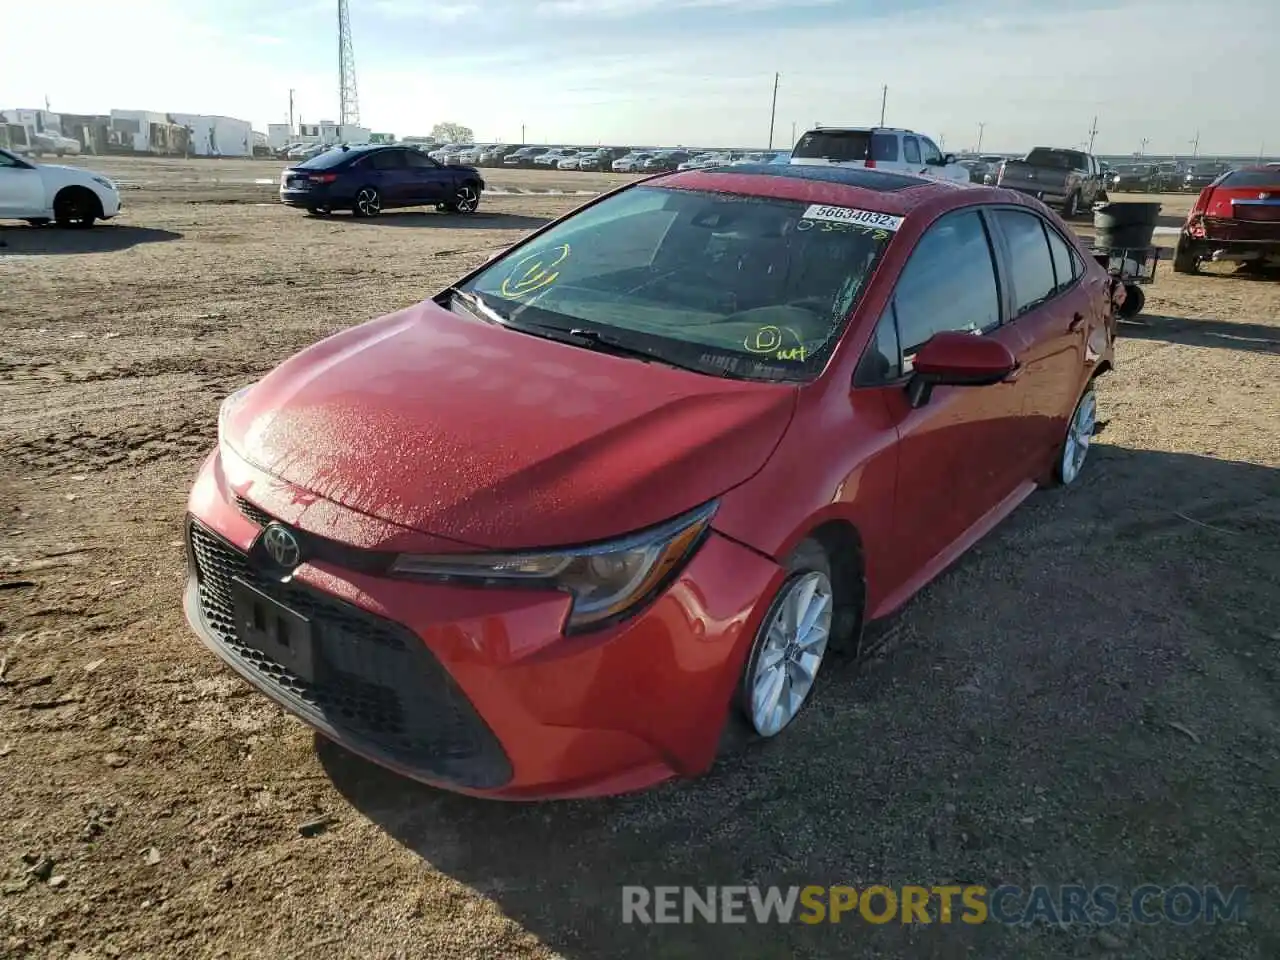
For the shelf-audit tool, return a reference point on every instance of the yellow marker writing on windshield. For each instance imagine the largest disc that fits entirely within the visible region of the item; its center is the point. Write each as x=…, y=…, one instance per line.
x=766, y=340
x=535, y=272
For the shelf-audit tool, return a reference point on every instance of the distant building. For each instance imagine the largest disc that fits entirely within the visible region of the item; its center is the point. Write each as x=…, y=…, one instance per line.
x=217, y=136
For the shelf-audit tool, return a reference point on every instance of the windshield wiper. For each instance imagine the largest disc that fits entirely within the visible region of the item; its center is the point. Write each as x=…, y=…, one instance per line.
x=477, y=305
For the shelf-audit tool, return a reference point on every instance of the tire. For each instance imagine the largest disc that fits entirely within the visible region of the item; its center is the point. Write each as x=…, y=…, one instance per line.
x=1079, y=437
x=76, y=207
x=1135, y=298
x=1071, y=209
x=466, y=200
x=368, y=202
x=783, y=656
x=1184, y=258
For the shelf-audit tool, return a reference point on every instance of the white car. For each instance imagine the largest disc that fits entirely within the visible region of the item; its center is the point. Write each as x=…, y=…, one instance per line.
x=893, y=149
x=41, y=192
x=553, y=156
x=54, y=143
x=631, y=163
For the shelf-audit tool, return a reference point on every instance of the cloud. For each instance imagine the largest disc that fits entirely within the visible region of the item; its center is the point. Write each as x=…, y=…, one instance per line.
x=415, y=10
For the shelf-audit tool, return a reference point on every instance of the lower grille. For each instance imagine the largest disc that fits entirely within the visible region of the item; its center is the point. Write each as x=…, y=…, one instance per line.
x=375, y=681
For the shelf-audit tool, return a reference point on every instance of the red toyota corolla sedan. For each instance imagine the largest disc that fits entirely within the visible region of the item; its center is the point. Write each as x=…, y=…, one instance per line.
x=547, y=534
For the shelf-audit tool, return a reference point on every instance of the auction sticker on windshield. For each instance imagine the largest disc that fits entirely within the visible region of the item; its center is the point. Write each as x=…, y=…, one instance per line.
x=866, y=218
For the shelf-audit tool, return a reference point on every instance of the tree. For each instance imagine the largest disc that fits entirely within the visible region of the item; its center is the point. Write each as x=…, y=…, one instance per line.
x=450, y=132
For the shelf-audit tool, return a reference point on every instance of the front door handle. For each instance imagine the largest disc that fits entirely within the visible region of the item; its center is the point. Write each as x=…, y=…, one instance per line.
x=1076, y=322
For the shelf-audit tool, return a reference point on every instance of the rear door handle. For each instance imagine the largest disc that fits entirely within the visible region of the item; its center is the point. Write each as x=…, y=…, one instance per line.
x=1076, y=323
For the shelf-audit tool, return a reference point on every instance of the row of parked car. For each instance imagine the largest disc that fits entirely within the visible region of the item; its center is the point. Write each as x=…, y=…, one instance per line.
x=595, y=159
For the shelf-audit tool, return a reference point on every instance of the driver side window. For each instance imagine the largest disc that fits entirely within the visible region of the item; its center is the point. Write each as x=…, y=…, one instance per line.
x=910, y=150
x=929, y=152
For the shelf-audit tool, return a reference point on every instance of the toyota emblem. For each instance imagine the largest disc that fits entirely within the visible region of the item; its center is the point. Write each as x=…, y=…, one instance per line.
x=282, y=546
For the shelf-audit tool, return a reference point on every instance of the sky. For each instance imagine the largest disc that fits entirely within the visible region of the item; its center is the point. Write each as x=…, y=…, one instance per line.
x=666, y=72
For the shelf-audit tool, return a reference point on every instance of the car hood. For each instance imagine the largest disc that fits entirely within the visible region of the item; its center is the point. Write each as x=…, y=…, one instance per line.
x=463, y=429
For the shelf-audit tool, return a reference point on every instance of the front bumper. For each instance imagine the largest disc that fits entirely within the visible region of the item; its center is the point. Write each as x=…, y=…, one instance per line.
x=472, y=689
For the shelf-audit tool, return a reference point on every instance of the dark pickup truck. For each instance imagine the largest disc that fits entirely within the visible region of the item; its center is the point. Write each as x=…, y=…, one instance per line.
x=1070, y=180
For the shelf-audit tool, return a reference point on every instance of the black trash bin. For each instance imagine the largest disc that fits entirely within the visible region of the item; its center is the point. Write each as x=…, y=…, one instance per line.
x=1124, y=226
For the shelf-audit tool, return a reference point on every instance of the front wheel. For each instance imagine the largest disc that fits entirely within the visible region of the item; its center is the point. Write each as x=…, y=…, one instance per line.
x=368, y=202
x=466, y=200
x=76, y=207
x=790, y=645
x=1075, y=448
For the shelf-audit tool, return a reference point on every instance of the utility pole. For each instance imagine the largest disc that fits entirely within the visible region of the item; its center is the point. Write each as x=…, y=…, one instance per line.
x=981, y=128
x=1142, y=150
x=522, y=134
x=1195, y=145
x=884, y=96
x=1093, y=132
x=793, y=134
x=773, y=111
x=291, y=111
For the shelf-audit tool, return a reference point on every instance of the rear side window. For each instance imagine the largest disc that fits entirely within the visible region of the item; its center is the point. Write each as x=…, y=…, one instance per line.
x=949, y=283
x=1263, y=179
x=1064, y=265
x=1029, y=259
x=910, y=149
x=838, y=145
x=388, y=160
x=884, y=147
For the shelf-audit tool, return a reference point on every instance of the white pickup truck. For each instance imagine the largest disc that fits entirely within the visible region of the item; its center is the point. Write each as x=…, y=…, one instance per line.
x=41, y=192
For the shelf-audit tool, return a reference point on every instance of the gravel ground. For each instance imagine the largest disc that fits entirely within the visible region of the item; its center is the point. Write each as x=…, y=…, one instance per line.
x=1089, y=696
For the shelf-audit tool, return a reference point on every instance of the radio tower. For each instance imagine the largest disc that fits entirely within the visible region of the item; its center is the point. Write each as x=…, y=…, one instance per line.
x=349, y=109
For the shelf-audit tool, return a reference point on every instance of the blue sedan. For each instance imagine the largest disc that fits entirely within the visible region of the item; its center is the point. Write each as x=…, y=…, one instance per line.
x=369, y=179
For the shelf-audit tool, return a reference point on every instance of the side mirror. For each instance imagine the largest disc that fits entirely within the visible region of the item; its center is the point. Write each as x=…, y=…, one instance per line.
x=951, y=358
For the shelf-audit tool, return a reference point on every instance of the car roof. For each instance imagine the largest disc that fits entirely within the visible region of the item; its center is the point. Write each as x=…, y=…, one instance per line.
x=856, y=187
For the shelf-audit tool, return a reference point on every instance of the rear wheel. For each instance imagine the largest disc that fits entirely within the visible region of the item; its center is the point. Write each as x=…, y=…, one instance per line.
x=1075, y=448
x=1071, y=209
x=1134, y=300
x=1185, y=259
x=368, y=202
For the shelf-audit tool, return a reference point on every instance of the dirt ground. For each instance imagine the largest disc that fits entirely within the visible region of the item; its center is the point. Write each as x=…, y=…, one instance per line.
x=1090, y=696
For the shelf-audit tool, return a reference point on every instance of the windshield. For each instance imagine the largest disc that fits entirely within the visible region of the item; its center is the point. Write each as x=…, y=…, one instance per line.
x=744, y=286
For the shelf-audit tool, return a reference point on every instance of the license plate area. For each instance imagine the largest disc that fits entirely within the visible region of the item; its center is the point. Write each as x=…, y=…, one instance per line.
x=272, y=628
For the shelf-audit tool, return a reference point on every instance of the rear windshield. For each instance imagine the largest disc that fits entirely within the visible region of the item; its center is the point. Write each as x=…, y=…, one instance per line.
x=758, y=288
x=1059, y=159
x=330, y=158
x=1266, y=179
x=839, y=145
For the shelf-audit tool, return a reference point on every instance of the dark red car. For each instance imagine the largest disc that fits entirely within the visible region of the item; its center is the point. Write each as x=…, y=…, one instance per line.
x=550, y=532
x=1236, y=218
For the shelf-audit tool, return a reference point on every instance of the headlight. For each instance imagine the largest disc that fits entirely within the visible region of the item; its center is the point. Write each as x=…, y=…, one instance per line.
x=105, y=182
x=606, y=580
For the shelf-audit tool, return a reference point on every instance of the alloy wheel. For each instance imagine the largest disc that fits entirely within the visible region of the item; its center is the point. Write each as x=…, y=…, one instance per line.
x=1079, y=437
x=368, y=203
x=468, y=199
x=791, y=652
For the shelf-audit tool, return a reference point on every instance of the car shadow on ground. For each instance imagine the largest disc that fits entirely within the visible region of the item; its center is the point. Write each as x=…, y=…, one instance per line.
x=103, y=238
x=480, y=220
x=1255, y=337
x=1029, y=726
